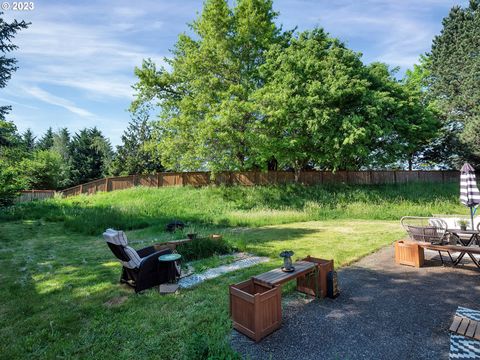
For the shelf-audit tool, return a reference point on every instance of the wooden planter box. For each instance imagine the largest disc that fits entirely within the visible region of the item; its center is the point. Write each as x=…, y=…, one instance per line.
x=306, y=283
x=255, y=309
x=409, y=253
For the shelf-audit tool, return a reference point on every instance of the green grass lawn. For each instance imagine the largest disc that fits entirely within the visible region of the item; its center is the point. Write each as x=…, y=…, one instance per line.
x=61, y=298
x=240, y=206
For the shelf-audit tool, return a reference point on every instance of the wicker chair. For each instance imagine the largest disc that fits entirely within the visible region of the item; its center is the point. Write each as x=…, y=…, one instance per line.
x=432, y=230
x=427, y=229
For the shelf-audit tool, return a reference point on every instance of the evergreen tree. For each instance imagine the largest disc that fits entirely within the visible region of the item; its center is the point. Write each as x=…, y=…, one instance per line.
x=136, y=155
x=61, y=143
x=11, y=153
x=28, y=140
x=61, y=146
x=454, y=65
x=207, y=115
x=91, y=154
x=46, y=141
x=8, y=64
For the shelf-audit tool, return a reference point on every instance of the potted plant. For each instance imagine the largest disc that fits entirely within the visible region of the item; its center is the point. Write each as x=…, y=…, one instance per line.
x=463, y=224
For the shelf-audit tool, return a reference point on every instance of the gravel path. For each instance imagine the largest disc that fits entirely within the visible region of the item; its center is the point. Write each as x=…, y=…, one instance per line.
x=385, y=311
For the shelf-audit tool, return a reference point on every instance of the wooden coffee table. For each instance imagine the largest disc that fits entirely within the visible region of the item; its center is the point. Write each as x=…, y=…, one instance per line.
x=278, y=276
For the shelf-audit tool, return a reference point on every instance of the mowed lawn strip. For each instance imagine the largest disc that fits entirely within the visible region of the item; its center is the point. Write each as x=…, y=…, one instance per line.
x=60, y=295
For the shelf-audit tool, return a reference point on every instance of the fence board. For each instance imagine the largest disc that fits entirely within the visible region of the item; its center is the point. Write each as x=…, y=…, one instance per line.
x=383, y=177
x=31, y=195
x=223, y=178
x=171, y=179
x=284, y=177
x=406, y=176
x=148, y=180
x=430, y=176
x=196, y=178
x=310, y=177
x=120, y=182
x=358, y=177
x=246, y=178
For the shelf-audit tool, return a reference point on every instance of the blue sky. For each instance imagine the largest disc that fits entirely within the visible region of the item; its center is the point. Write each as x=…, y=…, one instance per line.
x=77, y=58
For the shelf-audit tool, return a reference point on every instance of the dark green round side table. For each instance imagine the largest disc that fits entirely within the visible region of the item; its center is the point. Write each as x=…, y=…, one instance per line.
x=172, y=271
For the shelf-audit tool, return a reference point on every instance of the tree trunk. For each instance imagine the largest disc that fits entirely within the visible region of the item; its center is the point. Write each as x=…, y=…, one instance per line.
x=272, y=164
x=297, y=169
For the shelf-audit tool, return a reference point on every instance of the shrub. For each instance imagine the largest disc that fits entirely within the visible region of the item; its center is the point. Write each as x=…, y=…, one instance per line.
x=202, y=248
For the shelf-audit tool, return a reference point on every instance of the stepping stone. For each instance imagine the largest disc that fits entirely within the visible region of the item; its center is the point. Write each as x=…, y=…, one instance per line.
x=168, y=288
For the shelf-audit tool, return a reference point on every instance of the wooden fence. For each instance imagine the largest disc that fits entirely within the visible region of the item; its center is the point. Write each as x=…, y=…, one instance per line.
x=250, y=178
x=30, y=195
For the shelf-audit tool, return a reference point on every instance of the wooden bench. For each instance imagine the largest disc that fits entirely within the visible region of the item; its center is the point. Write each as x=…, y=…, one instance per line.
x=172, y=245
x=408, y=252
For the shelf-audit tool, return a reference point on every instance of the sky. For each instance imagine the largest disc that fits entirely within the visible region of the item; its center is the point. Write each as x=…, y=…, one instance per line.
x=77, y=59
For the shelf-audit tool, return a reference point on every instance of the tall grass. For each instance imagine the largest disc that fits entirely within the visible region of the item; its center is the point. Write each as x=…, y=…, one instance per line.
x=240, y=206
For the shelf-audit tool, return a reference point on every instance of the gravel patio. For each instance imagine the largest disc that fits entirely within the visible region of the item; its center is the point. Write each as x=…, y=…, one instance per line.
x=385, y=311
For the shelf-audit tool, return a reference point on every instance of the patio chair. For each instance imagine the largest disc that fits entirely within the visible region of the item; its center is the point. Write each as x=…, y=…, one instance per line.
x=426, y=229
x=141, y=268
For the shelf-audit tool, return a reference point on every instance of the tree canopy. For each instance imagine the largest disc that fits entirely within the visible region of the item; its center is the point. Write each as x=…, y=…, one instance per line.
x=453, y=81
x=242, y=94
x=206, y=115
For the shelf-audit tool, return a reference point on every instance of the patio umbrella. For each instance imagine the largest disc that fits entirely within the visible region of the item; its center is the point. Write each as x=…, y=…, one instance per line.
x=469, y=194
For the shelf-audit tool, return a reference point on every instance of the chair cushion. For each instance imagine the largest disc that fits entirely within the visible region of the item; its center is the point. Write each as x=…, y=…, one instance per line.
x=125, y=254
x=116, y=237
x=135, y=260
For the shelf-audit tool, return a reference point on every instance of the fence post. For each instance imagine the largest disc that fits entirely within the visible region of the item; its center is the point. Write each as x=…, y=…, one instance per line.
x=81, y=189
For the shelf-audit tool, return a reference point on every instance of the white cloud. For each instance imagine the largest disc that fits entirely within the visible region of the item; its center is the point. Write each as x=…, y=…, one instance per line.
x=58, y=101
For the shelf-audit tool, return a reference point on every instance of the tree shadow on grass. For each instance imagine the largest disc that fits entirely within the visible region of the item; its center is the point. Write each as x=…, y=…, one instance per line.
x=93, y=220
x=274, y=233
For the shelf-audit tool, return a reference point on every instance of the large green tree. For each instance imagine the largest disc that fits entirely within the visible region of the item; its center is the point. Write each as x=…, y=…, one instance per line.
x=454, y=65
x=137, y=154
x=411, y=121
x=91, y=155
x=8, y=65
x=322, y=106
x=46, y=141
x=45, y=169
x=29, y=140
x=207, y=116
x=11, y=150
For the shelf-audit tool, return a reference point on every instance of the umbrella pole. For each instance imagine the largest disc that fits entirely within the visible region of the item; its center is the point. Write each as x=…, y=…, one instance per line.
x=471, y=216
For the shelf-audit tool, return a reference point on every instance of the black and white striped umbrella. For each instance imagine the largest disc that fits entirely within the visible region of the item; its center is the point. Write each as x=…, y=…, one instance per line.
x=469, y=194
